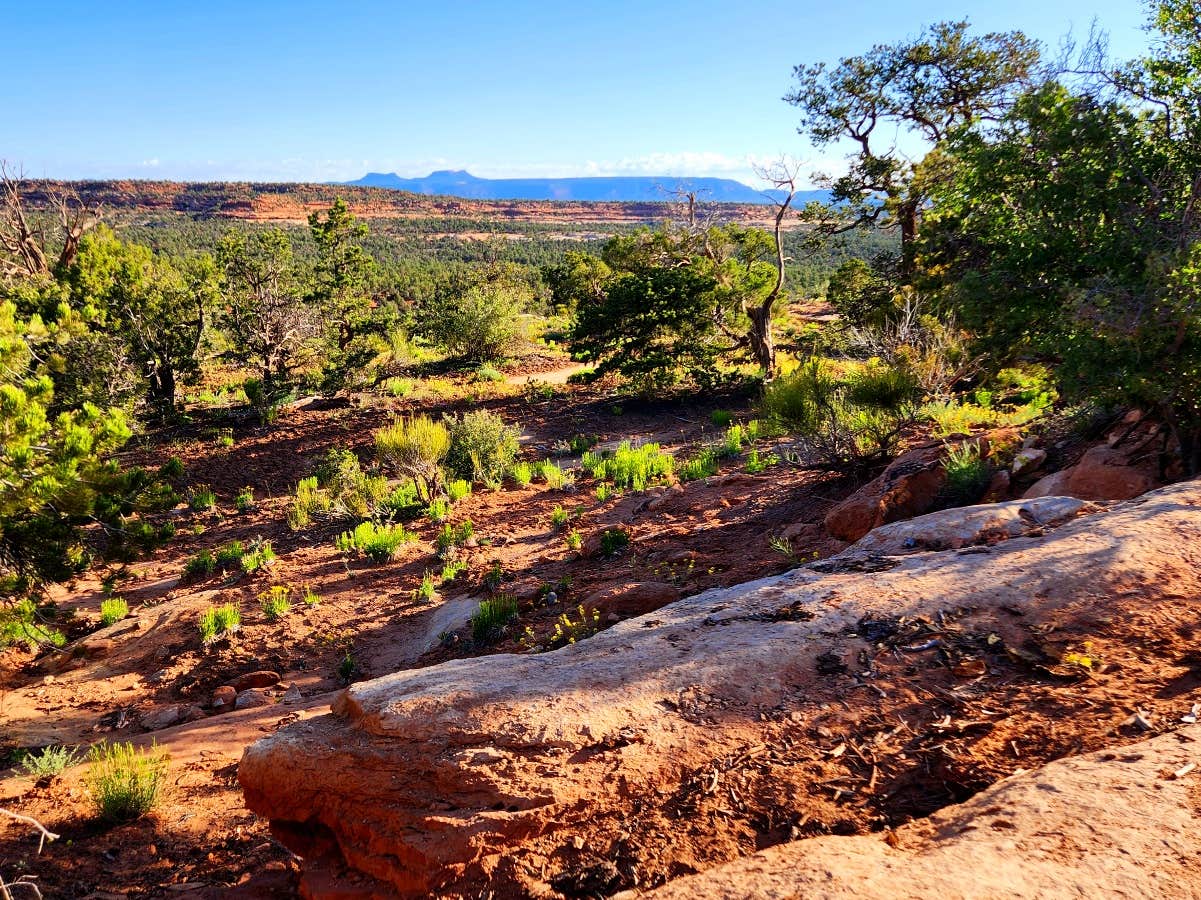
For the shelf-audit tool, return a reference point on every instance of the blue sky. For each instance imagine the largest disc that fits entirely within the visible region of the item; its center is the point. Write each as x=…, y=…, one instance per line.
x=268, y=90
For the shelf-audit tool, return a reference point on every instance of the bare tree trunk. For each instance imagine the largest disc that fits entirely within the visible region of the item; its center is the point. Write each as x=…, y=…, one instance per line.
x=23, y=247
x=760, y=338
x=762, y=342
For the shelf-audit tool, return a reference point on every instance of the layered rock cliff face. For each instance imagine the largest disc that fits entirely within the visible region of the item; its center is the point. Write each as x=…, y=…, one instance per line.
x=837, y=699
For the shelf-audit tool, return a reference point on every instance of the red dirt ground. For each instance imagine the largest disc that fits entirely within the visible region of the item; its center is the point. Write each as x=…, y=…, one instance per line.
x=902, y=755
x=709, y=533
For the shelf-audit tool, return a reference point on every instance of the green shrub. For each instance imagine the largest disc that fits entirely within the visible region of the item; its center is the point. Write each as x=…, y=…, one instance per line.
x=1026, y=385
x=415, y=448
x=962, y=417
x=732, y=445
x=401, y=503
x=172, y=469
x=258, y=555
x=482, y=446
x=558, y=517
x=276, y=601
x=604, y=491
x=339, y=489
x=458, y=489
x=581, y=443
x=309, y=500
x=113, y=610
x=489, y=621
x=700, y=466
x=954, y=417
x=438, y=510
x=522, y=473
x=310, y=597
x=202, y=499
x=125, y=782
x=244, y=501
x=218, y=620
x=633, y=468
x=494, y=577
x=427, y=591
x=487, y=372
x=554, y=476
x=721, y=418
x=348, y=667
x=378, y=543
x=967, y=474
x=229, y=556
x=755, y=464
x=452, y=537
x=613, y=540
x=201, y=565
x=399, y=387
x=477, y=322
x=51, y=761
x=574, y=541
x=851, y=420
x=595, y=464
x=452, y=569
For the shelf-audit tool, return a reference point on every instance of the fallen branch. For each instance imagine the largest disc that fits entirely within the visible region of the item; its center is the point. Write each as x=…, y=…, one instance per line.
x=46, y=833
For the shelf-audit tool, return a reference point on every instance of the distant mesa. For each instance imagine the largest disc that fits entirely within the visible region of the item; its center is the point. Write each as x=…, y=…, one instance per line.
x=636, y=188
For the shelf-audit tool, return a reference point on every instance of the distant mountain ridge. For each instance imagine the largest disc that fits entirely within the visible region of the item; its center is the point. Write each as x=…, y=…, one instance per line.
x=620, y=188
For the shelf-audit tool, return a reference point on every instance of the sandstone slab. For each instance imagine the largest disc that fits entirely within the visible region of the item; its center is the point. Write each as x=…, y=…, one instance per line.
x=473, y=776
x=965, y=526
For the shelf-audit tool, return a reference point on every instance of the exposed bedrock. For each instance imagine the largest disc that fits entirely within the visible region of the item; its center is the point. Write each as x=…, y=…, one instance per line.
x=521, y=773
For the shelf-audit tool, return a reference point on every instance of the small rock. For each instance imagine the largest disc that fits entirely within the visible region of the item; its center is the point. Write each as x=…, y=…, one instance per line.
x=1027, y=460
x=251, y=698
x=259, y=679
x=99, y=649
x=292, y=695
x=161, y=718
x=1053, y=485
x=192, y=713
x=224, y=698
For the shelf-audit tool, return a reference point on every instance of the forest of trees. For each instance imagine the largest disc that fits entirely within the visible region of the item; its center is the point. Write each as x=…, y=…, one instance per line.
x=1051, y=218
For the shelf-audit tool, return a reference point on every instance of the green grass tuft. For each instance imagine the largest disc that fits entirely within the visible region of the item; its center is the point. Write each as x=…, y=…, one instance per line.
x=125, y=782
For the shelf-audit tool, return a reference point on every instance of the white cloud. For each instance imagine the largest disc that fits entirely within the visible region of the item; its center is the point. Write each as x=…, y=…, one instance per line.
x=149, y=163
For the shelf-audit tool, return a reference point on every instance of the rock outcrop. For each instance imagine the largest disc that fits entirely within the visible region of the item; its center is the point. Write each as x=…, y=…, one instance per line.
x=910, y=486
x=741, y=718
x=1125, y=466
x=967, y=526
x=1103, y=473
x=907, y=488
